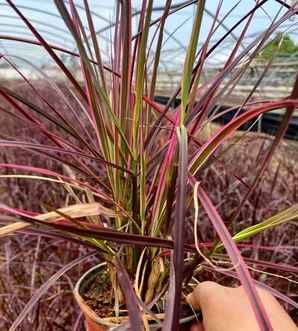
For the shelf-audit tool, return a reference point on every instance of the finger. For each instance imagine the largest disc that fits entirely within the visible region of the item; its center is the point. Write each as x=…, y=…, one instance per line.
x=195, y=298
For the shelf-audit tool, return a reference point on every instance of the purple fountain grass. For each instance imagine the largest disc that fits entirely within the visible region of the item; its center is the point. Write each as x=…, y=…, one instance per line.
x=125, y=166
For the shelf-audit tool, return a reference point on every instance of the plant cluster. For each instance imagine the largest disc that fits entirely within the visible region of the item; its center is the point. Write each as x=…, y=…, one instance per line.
x=133, y=169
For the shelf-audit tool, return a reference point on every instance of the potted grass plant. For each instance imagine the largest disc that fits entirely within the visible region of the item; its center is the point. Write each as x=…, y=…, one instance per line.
x=131, y=166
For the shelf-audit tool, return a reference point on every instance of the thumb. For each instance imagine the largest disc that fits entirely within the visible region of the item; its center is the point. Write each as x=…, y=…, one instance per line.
x=193, y=299
x=197, y=299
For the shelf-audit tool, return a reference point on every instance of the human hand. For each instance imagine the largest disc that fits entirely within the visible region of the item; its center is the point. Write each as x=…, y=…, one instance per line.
x=224, y=308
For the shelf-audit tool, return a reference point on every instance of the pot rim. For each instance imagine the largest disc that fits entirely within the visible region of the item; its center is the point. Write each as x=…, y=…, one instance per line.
x=105, y=321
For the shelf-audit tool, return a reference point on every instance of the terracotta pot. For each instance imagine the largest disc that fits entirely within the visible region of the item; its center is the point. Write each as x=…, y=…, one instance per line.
x=93, y=322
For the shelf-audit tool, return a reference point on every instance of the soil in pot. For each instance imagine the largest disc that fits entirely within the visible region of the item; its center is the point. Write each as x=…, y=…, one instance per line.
x=98, y=293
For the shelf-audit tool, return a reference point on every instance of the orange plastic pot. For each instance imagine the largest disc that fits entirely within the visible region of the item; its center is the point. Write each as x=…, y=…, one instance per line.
x=93, y=322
